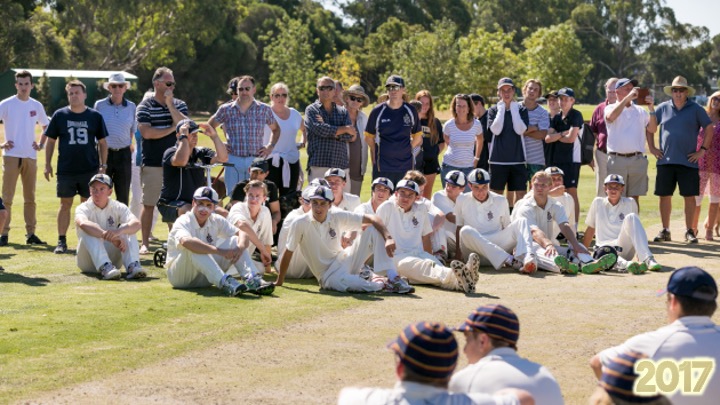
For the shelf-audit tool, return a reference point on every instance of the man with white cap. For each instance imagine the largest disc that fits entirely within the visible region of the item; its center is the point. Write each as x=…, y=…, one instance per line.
x=444, y=200
x=380, y=191
x=409, y=224
x=317, y=235
x=106, y=234
x=690, y=335
x=615, y=222
x=483, y=225
x=204, y=248
x=426, y=355
x=119, y=115
x=337, y=179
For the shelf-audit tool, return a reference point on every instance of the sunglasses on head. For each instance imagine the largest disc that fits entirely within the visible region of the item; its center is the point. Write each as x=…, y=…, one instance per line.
x=326, y=88
x=358, y=99
x=278, y=95
x=393, y=87
x=115, y=86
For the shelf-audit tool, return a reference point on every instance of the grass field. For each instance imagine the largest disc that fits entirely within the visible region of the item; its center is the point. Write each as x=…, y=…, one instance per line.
x=69, y=338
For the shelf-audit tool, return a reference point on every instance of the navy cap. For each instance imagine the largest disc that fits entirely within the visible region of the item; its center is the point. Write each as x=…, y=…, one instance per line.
x=321, y=193
x=456, y=178
x=505, y=81
x=193, y=126
x=428, y=348
x=102, y=178
x=552, y=93
x=206, y=193
x=686, y=281
x=318, y=181
x=408, y=184
x=498, y=321
x=335, y=172
x=232, y=86
x=625, y=81
x=383, y=181
x=395, y=80
x=554, y=170
x=614, y=178
x=618, y=378
x=566, y=91
x=479, y=176
x=260, y=164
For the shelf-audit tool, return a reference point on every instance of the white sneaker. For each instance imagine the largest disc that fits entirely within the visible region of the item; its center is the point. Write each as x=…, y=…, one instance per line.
x=472, y=268
x=109, y=272
x=460, y=271
x=652, y=265
x=135, y=272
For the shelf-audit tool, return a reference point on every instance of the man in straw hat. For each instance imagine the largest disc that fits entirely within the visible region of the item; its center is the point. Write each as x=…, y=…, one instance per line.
x=680, y=120
x=425, y=356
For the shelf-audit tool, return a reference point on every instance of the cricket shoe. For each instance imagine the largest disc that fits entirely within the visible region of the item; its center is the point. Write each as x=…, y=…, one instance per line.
x=399, y=285
x=135, y=272
x=109, y=272
x=231, y=287
x=565, y=265
x=473, y=269
x=529, y=264
x=60, y=248
x=651, y=264
x=256, y=285
x=366, y=273
x=513, y=263
x=603, y=263
x=460, y=271
x=637, y=267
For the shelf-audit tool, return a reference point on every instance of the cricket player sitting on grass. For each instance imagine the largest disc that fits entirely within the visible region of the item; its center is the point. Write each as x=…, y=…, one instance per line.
x=298, y=267
x=615, y=222
x=558, y=193
x=438, y=237
x=106, y=234
x=541, y=211
x=203, y=247
x=444, y=200
x=317, y=235
x=257, y=216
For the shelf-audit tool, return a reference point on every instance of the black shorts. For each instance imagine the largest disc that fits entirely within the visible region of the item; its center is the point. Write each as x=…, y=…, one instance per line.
x=571, y=178
x=514, y=176
x=169, y=210
x=687, y=178
x=68, y=185
x=431, y=166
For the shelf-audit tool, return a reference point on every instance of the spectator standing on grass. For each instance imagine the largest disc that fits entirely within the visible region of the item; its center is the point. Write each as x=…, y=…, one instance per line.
x=20, y=114
x=553, y=102
x=157, y=118
x=80, y=134
x=463, y=136
x=355, y=100
x=480, y=113
x=135, y=183
x=599, y=129
x=680, y=119
x=538, y=126
x=428, y=161
x=119, y=116
x=244, y=121
x=709, y=166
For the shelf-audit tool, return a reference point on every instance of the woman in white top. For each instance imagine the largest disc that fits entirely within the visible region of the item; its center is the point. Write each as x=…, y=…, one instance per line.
x=463, y=136
x=355, y=99
x=285, y=159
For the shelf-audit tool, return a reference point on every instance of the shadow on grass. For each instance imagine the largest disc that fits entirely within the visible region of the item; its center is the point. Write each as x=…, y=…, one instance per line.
x=698, y=250
x=96, y=276
x=6, y=277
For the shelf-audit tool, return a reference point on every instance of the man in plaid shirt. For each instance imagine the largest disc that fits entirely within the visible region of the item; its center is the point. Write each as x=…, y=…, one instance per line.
x=243, y=122
x=328, y=132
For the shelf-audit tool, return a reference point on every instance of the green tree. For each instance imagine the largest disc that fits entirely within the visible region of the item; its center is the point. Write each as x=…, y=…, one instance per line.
x=289, y=58
x=484, y=58
x=369, y=15
x=343, y=67
x=555, y=56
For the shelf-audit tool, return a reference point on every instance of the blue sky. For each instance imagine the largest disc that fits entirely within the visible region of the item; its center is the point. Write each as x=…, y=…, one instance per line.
x=698, y=12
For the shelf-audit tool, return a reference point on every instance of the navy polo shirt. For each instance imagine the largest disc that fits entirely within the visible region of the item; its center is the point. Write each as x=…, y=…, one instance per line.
x=679, y=131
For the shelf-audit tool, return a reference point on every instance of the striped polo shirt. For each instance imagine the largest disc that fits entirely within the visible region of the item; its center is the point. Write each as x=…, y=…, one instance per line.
x=119, y=120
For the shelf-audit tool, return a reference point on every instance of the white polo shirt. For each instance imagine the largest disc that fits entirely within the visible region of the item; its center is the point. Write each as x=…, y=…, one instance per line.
x=687, y=337
x=441, y=200
x=282, y=237
x=109, y=218
x=215, y=229
x=320, y=242
x=20, y=118
x=627, y=133
x=412, y=393
x=568, y=203
x=262, y=225
x=407, y=228
x=607, y=219
x=486, y=217
x=349, y=202
x=541, y=218
x=365, y=209
x=504, y=368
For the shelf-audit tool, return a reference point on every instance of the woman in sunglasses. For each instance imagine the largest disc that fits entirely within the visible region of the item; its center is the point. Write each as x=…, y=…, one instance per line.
x=355, y=100
x=709, y=166
x=464, y=138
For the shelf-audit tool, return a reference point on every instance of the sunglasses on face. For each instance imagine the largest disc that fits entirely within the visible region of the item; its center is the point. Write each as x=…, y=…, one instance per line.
x=170, y=84
x=115, y=86
x=358, y=99
x=248, y=88
x=678, y=90
x=326, y=88
x=278, y=95
x=393, y=87
x=715, y=99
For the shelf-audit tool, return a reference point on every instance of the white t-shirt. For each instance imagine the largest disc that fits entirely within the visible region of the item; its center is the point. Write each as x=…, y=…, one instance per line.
x=411, y=393
x=349, y=202
x=364, y=208
x=407, y=228
x=607, y=219
x=461, y=144
x=20, y=118
x=503, y=368
x=287, y=144
x=109, y=218
x=541, y=218
x=262, y=226
x=216, y=228
x=441, y=200
x=627, y=133
x=486, y=217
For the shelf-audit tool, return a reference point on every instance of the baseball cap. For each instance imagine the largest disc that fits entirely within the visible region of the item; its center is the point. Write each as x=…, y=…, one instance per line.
x=307, y=192
x=193, y=126
x=498, y=321
x=686, y=281
x=319, y=182
x=479, y=176
x=566, y=91
x=427, y=348
x=102, y=178
x=505, y=81
x=625, y=81
x=618, y=378
x=552, y=93
x=335, y=172
x=456, y=178
x=321, y=193
x=260, y=164
x=206, y=193
x=395, y=80
x=408, y=184
x=554, y=170
x=614, y=178
x=383, y=181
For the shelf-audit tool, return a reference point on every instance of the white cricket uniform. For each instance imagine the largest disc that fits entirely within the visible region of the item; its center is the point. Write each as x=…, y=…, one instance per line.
x=504, y=368
x=191, y=270
x=94, y=252
x=567, y=201
x=262, y=227
x=349, y=202
x=438, y=239
x=485, y=228
x=686, y=338
x=365, y=208
x=412, y=393
x=411, y=260
x=544, y=220
x=334, y=267
x=447, y=206
x=298, y=267
x=619, y=225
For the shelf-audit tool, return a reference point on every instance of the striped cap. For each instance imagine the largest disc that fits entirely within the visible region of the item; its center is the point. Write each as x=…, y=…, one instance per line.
x=498, y=321
x=618, y=378
x=428, y=348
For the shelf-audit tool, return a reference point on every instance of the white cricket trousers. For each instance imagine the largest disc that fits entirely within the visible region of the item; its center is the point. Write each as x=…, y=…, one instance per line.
x=344, y=273
x=497, y=245
x=94, y=252
x=194, y=270
x=632, y=238
x=419, y=267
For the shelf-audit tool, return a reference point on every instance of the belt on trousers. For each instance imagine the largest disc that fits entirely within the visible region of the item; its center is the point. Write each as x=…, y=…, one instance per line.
x=118, y=149
x=625, y=154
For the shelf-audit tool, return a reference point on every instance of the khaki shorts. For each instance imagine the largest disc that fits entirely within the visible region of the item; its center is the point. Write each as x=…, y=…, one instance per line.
x=151, y=180
x=634, y=170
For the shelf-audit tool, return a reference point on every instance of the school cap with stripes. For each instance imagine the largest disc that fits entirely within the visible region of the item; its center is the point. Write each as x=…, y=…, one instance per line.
x=428, y=348
x=618, y=378
x=498, y=321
